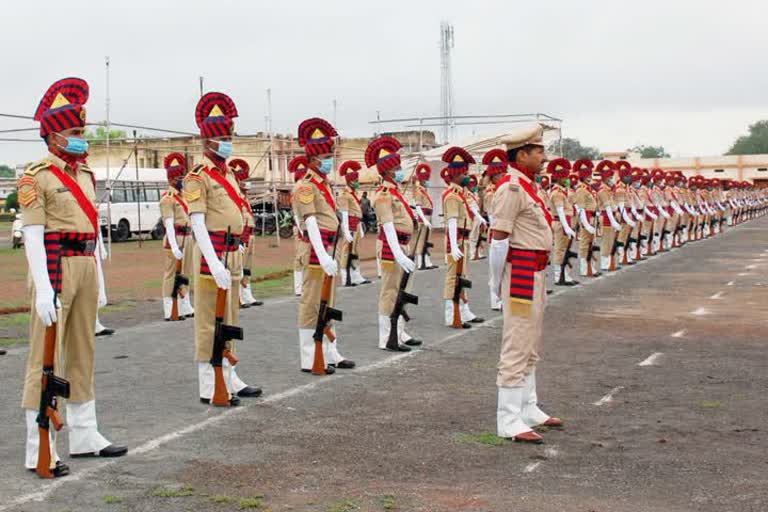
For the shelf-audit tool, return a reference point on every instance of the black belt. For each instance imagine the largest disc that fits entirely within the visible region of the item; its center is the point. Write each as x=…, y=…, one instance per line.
x=81, y=247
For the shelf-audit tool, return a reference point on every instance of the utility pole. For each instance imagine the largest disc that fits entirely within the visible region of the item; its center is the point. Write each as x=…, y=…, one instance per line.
x=201, y=86
x=446, y=80
x=272, y=167
x=108, y=185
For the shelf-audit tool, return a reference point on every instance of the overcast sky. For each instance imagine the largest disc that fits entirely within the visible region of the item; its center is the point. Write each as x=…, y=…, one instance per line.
x=687, y=74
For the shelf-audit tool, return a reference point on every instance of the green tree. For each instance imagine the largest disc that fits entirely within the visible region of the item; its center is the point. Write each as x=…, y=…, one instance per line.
x=650, y=151
x=756, y=143
x=12, y=201
x=6, y=172
x=573, y=150
x=101, y=134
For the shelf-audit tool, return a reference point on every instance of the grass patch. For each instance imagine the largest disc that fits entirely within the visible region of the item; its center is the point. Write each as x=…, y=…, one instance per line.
x=249, y=503
x=710, y=404
x=14, y=320
x=273, y=288
x=112, y=500
x=186, y=490
x=153, y=283
x=484, y=438
x=343, y=506
x=9, y=342
x=389, y=503
x=120, y=306
x=221, y=499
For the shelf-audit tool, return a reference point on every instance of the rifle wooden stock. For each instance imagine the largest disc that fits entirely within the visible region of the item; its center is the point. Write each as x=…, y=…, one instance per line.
x=325, y=314
x=220, y=393
x=403, y=298
x=175, y=296
x=51, y=387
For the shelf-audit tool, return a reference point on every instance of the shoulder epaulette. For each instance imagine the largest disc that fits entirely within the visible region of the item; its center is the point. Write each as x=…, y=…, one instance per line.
x=196, y=170
x=85, y=168
x=36, y=167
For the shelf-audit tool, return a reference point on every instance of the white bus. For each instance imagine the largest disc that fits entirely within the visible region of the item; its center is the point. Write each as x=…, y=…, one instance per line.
x=135, y=204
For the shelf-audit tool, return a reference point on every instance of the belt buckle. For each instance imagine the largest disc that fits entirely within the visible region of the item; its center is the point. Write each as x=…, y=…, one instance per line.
x=90, y=246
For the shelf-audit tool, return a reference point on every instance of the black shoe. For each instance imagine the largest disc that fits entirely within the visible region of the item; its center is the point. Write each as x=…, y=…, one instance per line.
x=171, y=320
x=110, y=451
x=60, y=469
x=345, y=364
x=432, y=266
x=477, y=320
x=233, y=401
x=550, y=292
x=329, y=370
x=465, y=325
x=400, y=348
x=367, y=281
x=413, y=342
x=2, y=352
x=249, y=392
x=244, y=306
x=106, y=332
x=191, y=315
x=350, y=285
x=257, y=303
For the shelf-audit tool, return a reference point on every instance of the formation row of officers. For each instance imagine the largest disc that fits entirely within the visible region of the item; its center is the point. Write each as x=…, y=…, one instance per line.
x=209, y=247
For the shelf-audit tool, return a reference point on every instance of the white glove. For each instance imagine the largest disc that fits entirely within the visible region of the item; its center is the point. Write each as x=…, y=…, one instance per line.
x=564, y=222
x=404, y=261
x=329, y=264
x=649, y=213
x=456, y=253
x=627, y=219
x=663, y=211
x=101, y=301
x=170, y=235
x=479, y=218
x=345, y=226
x=423, y=217
x=497, y=258
x=676, y=207
x=221, y=275
x=241, y=248
x=585, y=223
x=38, y=267
x=102, y=248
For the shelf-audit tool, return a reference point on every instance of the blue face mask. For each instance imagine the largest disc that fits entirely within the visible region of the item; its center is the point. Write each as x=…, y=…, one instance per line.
x=76, y=146
x=326, y=164
x=399, y=176
x=426, y=184
x=225, y=149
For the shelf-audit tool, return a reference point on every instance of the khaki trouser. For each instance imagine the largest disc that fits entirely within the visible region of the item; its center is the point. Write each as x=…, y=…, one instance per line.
x=205, y=305
x=450, y=274
x=561, y=244
x=188, y=261
x=312, y=287
x=248, y=261
x=657, y=225
x=606, y=244
x=344, y=249
x=301, y=255
x=391, y=275
x=586, y=239
x=422, y=234
x=521, y=336
x=626, y=229
x=169, y=267
x=474, y=236
x=75, y=345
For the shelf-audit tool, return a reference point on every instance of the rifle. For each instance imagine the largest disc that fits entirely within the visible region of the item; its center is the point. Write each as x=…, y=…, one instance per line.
x=325, y=314
x=569, y=254
x=350, y=256
x=52, y=386
x=403, y=298
x=179, y=280
x=480, y=238
x=425, y=250
x=458, y=288
x=223, y=333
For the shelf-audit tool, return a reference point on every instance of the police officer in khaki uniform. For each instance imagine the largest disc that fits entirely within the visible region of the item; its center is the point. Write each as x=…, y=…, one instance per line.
x=315, y=207
x=607, y=206
x=622, y=199
x=479, y=224
x=175, y=214
x=348, y=204
x=298, y=167
x=459, y=218
x=423, y=206
x=562, y=204
x=241, y=169
x=215, y=208
x=522, y=237
x=585, y=201
x=61, y=231
x=636, y=207
x=396, y=220
x=496, y=162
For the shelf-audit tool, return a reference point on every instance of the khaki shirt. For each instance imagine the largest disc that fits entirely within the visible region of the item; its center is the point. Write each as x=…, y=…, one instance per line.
x=346, y=201
x=454, y=207
x=170, y=207
x=657, y=196
x=419, y=196
x=561, y=197
x=390, y=209
x=490, y=190
x=204, y=195
x=44, y=200
x=584, y=198
x=621, y=194
x=605, y=199
x=517, y=213
x=310, y=200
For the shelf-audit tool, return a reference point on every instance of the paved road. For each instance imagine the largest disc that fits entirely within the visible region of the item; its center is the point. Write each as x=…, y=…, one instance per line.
x=658, y=370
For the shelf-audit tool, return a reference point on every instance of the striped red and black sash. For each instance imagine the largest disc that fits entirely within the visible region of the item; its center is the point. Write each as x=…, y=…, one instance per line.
x=328, y=238
x=354, y=222
x=386, y=250
x=63, y=245
x=524, y=264
x=219, y=242
x=179, y=230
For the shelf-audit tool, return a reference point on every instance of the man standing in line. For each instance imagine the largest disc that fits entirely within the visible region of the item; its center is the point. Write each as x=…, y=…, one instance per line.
x=298, y=167
x=561, y=198
x=424, y=207
x=519, y=252
x=496, y=162
x=585, y=201
x=351, y=226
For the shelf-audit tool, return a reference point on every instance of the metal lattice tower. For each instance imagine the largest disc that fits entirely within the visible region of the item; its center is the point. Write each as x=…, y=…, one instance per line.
x=446, y=82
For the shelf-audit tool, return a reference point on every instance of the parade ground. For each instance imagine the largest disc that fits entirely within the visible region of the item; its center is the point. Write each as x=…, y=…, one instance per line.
x=658, y=371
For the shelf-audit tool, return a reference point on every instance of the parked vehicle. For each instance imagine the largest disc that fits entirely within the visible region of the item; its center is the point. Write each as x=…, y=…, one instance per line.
x=17, y=236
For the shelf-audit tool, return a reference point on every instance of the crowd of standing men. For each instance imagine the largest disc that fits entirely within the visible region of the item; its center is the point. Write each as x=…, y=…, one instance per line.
x=528, y=220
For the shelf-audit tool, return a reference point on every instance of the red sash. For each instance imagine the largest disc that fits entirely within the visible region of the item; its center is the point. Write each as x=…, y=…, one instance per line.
x=463, y=198
x=424, y=193
x=85, y=204
x=531, y=192
x=233, y=194
x=354, y=196
x=399, y=196
x=326, y=193
x=182, y=203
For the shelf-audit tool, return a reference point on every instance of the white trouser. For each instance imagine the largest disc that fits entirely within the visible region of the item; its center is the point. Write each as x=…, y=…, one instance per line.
x=33, y=441
x=298, y=277
x=509, y=421
x=84, y=436
x=531, y=414
x=185, y=306
x=206, y=379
